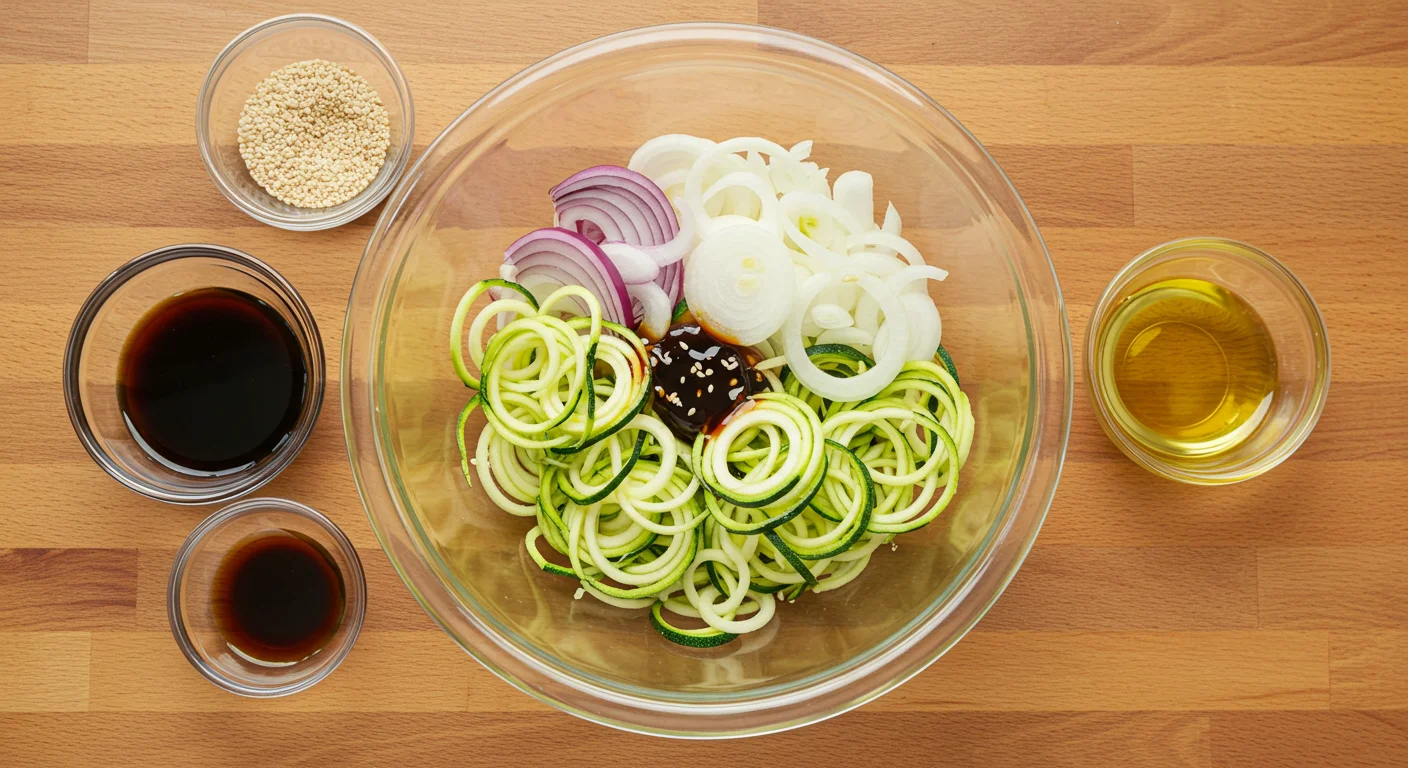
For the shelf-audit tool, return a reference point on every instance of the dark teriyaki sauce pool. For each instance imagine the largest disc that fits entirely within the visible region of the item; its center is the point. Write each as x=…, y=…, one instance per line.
x=211, y=381
x=278, y=598
x=698, y=380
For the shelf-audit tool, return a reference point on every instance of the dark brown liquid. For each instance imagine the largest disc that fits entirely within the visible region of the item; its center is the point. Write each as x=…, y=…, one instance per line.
x=278, y=598
x=697, y=380
x=211, y=381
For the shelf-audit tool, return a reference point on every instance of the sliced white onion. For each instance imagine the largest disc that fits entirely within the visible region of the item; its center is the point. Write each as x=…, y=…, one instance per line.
x=851, y=337
x=633, y=264
x=909, y=277
x=877, y=263
x=854, y=191
x=826, y=219
x=892, y=222
x=857, y=387
x=763, y=209
x=668, y=154
x=925, y=328
x=829, y=317
x=882, y=340
x=654, y=309
x=723, y=152
x=894, y=242
x=867, y=314
x=739, y=283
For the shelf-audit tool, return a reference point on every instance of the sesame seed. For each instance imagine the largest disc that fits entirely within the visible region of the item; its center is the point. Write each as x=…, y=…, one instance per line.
x=709, y=372
x=691, y=412
x=699, y=392
x=711, y=387
x=733, y=382
x=314, y=134
x=681, y=379
x=683, y=345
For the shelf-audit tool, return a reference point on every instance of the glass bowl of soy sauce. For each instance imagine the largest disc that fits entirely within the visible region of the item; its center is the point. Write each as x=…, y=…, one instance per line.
x=194, y=374
x=266, y=597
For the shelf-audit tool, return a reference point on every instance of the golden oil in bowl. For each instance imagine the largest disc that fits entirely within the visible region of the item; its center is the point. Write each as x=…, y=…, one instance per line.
x=1189, y=366
x=1207, y=361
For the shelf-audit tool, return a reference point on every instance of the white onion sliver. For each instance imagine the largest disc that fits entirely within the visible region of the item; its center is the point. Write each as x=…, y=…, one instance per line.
x=655, y=310
x=867, y=314
x=795, y=205
x=633, y=263
x=851, y=337
x=857, y=387
x=854, y=191
x=765, y=207
x=892, y=223
x=877, y=263
x=831, y=316
x=909, y=275
x=893, y=242
x=925, y=328
x=727, y=277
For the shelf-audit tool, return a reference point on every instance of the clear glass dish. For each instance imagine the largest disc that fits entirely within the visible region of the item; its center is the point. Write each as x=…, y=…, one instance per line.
x=193, y=576
x=1297, y=332
x=92, y=361
x=485, y=181
x=250, y=58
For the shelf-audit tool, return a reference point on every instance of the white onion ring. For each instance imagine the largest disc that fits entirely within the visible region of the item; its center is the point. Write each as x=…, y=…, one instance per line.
x=726, y=278
x=857, y=387
x=668, y=154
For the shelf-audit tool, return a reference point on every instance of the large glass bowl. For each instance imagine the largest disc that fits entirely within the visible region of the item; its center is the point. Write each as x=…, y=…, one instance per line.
x=485, y=181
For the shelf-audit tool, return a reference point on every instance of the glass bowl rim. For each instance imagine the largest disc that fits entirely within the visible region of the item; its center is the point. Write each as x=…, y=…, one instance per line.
x=336, y=215
x=226, y=515
x=239, y=483
x=1271, y=266
x=1052, y=440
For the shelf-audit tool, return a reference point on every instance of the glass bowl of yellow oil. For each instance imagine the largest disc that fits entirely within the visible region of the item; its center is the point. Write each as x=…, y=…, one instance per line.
x=1207, y=361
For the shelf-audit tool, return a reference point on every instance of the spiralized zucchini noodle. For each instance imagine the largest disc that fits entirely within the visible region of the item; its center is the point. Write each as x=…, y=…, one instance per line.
x=792, y=493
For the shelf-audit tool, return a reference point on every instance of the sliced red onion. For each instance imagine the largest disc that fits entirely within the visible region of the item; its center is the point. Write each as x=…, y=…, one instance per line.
x=625, y=205
x=611, y=204
x=552, y=257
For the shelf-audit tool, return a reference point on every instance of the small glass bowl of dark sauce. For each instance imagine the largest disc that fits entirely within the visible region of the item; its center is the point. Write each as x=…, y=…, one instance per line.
x=194, y=374
x=266, y=597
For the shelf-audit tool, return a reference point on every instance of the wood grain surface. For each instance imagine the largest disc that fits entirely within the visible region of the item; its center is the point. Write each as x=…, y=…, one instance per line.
x=1154, y=624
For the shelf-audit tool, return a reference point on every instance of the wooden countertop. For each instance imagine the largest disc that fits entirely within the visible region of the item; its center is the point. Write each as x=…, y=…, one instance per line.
x=1263, y=624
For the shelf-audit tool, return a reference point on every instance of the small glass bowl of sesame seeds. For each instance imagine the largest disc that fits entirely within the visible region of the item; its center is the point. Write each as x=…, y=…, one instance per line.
x=270, y=171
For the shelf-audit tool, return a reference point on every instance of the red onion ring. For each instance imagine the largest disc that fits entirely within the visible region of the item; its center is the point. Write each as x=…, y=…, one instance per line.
x=608, y=203
x=563, y=257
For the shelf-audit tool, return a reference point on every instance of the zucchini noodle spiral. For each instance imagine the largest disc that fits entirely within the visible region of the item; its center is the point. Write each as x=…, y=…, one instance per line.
x=791, y=493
